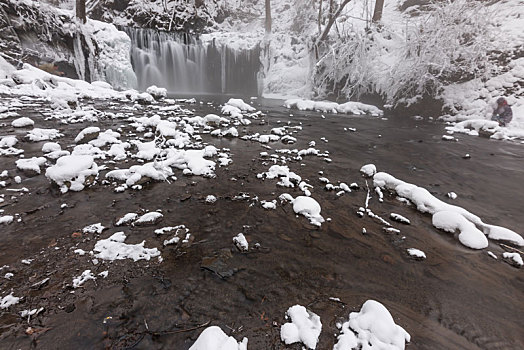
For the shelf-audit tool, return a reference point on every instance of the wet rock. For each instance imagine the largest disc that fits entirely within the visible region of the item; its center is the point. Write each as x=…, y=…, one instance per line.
x=219, y=263
x=70, y=308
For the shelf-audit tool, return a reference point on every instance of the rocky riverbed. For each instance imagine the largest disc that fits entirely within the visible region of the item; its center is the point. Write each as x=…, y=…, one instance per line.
x=188, y=277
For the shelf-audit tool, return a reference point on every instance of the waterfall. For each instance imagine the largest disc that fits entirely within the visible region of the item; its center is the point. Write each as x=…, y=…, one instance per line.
x=181, y=63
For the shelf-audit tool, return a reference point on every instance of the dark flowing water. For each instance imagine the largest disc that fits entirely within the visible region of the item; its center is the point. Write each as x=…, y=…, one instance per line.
x=455, y=299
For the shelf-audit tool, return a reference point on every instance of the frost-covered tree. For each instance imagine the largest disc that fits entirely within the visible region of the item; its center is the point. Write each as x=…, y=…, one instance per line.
x=449, y=43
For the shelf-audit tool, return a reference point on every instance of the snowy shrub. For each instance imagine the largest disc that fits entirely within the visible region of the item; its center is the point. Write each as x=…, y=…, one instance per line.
x=447, y=44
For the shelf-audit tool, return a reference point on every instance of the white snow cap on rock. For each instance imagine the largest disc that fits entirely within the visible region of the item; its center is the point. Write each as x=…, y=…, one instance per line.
x=214, y=338
x=374, y=328
x=305, y=327
x=446, y=216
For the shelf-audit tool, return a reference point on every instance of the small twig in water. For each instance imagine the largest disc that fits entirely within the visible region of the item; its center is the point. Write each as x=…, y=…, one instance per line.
x=511, y=248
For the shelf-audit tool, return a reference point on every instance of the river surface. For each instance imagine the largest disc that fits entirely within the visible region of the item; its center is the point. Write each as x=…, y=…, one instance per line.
x=457, y=298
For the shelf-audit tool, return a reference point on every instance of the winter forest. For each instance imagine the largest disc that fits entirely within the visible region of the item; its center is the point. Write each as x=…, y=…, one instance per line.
x=248, y=174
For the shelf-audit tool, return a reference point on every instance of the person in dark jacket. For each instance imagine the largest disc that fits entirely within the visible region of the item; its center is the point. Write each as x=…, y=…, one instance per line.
x=502, y=113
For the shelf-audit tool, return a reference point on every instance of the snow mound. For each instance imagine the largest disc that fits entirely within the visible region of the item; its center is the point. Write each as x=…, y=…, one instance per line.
x=354, y=108
x=114, y=248
x=214, y=338
x=375, y=329
x=305, y=327
x=72, y=172
x=452, y=217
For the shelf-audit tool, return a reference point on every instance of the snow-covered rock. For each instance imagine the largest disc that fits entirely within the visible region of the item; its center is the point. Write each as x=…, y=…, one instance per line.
x=87, y=134
x=240, y=242
x=416, y=253
x=157, y=92
x=372, y=328
x=369, y=170
x=240, y=104
x=308, y=207
x=31, y=165
x=514, y=257
x=305, y=327
x=73, y=172
x=214, y=338
x=8, y=300
x=355, y=108
x=114, y=248
x=22, y=122
x=448, y=217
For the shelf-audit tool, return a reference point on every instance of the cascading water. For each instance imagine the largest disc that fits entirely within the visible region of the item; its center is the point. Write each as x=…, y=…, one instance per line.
x=183, y=64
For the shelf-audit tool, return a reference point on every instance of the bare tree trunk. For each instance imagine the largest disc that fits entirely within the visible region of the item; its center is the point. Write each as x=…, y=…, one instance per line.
x=81, y=10
x=331, y=8
x=319, y=16
x=268, y=16
x=377, y=13
x=332, y=20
